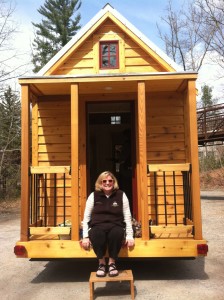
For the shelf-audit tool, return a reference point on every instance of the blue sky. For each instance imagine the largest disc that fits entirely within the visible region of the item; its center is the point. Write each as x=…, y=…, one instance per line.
x=143, y=14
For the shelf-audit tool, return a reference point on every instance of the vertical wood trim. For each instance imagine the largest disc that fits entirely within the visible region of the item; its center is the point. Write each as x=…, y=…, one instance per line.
x=34, y=131
x=74, y=162
x=25, y=161
x=82, y=156
x=193, y=158
x=142, y=161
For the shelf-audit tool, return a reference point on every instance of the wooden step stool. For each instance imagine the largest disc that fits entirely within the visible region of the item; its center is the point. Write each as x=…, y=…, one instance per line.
x=124, y=275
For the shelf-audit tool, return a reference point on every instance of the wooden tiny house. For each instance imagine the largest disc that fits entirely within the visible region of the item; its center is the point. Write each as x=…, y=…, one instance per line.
x=110, y=92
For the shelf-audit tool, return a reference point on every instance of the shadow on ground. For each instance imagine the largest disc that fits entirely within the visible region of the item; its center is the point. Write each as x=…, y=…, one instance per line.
x=157, y=269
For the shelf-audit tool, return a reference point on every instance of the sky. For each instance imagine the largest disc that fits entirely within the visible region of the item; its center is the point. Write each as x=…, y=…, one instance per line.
x=143, y=14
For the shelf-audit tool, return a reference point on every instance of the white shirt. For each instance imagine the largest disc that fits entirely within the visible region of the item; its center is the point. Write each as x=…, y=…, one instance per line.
x=126, y=214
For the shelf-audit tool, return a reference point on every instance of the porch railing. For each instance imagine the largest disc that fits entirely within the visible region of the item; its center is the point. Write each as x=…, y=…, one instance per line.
x=50, y=196
x=170, y=194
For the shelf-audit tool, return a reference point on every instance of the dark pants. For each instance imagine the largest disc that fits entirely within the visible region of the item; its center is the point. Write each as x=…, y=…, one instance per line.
x=103, y=239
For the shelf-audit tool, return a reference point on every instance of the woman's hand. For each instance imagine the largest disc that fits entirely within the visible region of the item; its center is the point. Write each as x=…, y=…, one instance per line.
x=86, y=243
x=130, y=243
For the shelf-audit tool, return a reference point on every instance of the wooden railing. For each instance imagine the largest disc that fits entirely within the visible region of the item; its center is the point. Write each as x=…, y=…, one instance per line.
x=210, y=124
x=50, y=203
x=170, y=194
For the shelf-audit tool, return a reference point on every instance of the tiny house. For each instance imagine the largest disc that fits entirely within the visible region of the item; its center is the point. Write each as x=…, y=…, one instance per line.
x=110, y=100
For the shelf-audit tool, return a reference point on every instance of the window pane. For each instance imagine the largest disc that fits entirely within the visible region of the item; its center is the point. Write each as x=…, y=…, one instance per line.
x=113, y=61
x=104, y=49
x=105, y=61
x=112, y=49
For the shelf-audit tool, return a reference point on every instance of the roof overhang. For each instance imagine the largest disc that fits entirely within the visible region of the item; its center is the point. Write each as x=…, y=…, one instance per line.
x=107, y=83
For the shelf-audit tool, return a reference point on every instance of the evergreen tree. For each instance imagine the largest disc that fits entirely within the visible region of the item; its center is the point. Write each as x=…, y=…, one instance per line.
x=10, y=135
x=207, y=98
x=55, y=30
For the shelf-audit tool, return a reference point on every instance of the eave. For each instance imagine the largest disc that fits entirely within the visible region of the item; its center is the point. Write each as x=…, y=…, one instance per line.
x=107, y=83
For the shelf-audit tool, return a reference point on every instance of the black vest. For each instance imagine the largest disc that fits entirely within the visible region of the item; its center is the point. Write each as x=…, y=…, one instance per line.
x=107, y=212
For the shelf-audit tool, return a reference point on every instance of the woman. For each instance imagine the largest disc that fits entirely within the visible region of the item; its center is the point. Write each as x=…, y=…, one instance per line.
x=107, y=221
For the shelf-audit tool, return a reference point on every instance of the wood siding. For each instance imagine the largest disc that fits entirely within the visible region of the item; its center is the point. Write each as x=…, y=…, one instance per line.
x=132, y=58
x=165, y=128
x=52, y=137
x=165, y=145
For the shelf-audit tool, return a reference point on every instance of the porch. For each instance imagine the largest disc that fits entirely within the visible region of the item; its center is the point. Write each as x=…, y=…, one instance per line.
x=169, y=89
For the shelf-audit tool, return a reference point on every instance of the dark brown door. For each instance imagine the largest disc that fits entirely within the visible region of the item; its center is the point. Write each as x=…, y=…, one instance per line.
x=111, y=144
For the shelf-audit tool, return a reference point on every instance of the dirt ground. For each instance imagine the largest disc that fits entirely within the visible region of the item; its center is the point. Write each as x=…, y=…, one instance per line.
x=163, y=279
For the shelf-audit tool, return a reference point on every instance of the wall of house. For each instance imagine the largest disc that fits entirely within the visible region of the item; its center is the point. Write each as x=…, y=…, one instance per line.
x=52, y=141
x=166, y=145
x=85, y=59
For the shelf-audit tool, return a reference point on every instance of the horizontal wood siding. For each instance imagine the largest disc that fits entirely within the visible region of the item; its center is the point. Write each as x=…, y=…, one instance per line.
x=131, y=55
x=165, y=145
x=165, y=128
x=54, y=149
x=54, y=132
x=80, y=62
x=137, y=60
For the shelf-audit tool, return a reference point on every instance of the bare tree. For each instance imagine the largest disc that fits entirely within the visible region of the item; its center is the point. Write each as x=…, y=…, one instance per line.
x=8, y=29
x=213, y=22
x=186, y=35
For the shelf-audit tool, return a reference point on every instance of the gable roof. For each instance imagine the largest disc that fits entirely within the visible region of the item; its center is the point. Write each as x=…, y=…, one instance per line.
x=108, y=8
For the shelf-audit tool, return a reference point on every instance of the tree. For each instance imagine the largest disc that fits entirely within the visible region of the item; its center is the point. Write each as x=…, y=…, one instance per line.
x=185, y=36
x=10, y=134
x=7, y=31
x=206, y=98
x=213, y=22
x=55, y=30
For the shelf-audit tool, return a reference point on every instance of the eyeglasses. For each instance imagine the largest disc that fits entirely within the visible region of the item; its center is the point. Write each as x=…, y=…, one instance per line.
x=109, y=180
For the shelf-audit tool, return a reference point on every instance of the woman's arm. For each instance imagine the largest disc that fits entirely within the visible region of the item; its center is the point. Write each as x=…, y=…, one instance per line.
x=127, y=219
x=87, y=215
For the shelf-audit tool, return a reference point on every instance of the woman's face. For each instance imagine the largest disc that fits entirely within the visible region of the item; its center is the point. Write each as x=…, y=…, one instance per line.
x=107, y=185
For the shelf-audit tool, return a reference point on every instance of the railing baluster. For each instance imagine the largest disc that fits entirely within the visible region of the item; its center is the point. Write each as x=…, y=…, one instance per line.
x=156, y=199
x=45, y=199
x=64, y=203
x=164, y=189
x=55, y=199
x=175, y=197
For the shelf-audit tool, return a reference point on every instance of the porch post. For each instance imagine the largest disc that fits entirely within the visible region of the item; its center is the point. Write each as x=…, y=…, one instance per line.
x=142, y=161
x=25, y=161
x=193, y=157
x=75, y=161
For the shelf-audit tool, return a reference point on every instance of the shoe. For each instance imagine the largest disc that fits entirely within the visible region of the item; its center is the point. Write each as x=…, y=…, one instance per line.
x=112, y=268
x=101, y=271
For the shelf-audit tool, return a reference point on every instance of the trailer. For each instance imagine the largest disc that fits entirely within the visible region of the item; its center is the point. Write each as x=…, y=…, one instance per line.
x=110, y=100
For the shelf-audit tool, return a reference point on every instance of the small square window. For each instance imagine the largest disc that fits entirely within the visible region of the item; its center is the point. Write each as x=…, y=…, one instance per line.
x=115, y=120
x=109, y=55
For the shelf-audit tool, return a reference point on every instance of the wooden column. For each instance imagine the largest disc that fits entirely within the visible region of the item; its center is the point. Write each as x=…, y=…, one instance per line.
x=25, y=161
x=193, y=157
x=142, y=161
x=75, y=161
x=82, y=157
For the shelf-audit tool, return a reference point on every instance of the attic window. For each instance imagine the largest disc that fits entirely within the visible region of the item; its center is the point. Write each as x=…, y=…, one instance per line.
x=109, y=55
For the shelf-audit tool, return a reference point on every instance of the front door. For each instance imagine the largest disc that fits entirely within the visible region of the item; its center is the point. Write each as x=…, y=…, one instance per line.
x=111, y=144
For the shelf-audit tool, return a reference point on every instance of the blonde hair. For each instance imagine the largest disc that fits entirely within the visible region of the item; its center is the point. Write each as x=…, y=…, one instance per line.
x=102, y=176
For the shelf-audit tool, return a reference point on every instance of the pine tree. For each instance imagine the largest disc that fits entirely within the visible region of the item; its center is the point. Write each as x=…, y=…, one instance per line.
x=10, y=135
x=206, y=97
x=55, y=30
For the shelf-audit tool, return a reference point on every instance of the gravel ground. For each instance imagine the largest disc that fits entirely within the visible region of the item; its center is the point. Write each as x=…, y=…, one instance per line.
x=163, y=279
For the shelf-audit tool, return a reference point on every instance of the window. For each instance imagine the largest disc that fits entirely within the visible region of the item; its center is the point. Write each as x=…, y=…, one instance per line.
x=115, y=120
x=109, y=55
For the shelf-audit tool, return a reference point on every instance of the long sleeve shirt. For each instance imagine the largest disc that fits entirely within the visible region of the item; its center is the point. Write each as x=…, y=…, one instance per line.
x=126, y=214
